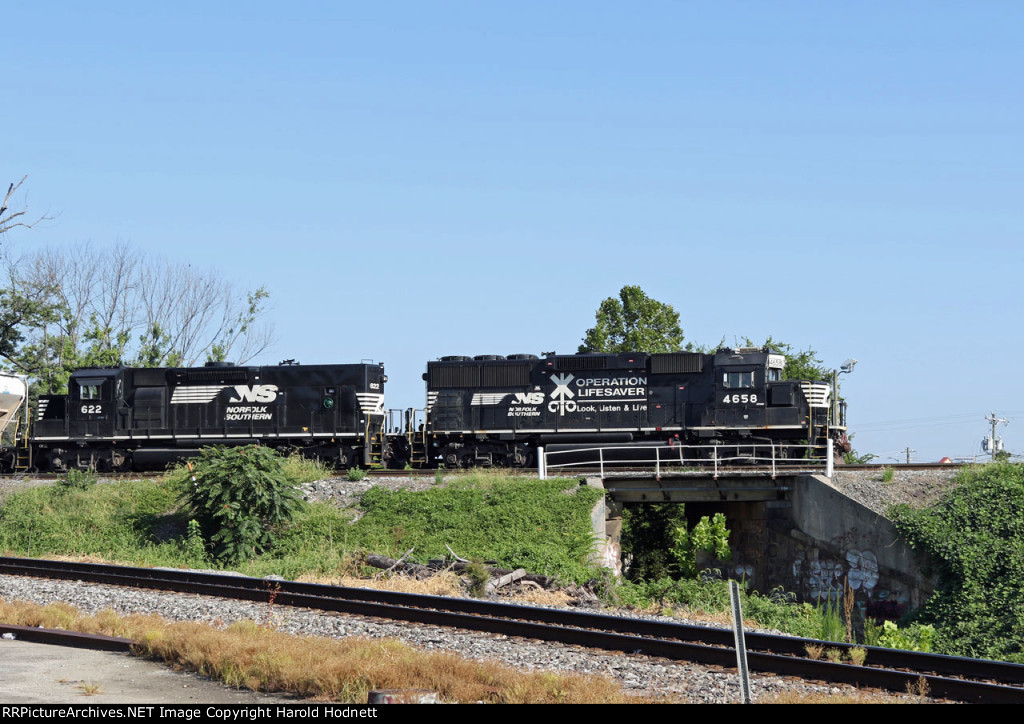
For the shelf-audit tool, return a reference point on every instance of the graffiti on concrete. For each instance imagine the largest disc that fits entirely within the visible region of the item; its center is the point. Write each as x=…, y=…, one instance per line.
x=743, y=571
x=610, y=557
x=824, y=579
x=863, y=569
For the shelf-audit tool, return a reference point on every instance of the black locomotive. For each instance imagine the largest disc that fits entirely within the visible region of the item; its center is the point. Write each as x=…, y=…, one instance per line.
x=123, y=418
x=482, y=411
x=493, y=410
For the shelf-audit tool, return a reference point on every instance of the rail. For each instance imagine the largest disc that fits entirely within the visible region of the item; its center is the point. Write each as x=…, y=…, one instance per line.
x=680, y=459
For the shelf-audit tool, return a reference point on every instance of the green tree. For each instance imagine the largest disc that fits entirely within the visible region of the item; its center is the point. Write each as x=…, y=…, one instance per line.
x=63, y=310
x=634, y=323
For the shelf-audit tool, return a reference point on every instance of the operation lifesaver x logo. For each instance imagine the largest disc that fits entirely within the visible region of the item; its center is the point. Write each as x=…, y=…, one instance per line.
x=561, y=396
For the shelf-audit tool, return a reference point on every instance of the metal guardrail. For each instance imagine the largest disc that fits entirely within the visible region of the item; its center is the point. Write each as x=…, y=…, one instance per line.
x=661, y=459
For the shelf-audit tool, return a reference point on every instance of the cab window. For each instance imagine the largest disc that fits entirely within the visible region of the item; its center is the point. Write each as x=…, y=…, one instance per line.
x=738, y=380
x=89, y=389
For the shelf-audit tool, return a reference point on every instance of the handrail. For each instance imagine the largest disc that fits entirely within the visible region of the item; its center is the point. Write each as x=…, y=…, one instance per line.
x=778, y=456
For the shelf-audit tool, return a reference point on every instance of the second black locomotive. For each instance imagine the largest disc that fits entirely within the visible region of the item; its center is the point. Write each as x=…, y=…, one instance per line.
x=494, y=410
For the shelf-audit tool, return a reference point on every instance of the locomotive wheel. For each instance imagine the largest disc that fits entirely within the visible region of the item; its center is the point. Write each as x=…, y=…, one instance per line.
x=120, y=461
x=520, y=457
x=55, y=462
x=451, y=457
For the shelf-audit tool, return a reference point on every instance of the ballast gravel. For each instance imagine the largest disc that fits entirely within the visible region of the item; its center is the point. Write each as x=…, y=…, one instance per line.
x=644, y=676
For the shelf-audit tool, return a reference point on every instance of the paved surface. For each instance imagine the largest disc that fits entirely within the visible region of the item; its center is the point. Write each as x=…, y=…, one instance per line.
x=33, y=673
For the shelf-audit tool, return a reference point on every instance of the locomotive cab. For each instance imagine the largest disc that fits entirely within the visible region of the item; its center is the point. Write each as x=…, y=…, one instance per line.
x=94, y=396
x=752, y=400
x=741, y=388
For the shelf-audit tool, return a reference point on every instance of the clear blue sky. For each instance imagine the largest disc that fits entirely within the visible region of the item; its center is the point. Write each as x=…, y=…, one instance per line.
x=414, y=179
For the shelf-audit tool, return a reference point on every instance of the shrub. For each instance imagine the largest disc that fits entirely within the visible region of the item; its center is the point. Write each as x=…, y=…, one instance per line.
x=647, y=539
x=239, y=497
x=916, y=637
x=709, y=535
x=973, y=541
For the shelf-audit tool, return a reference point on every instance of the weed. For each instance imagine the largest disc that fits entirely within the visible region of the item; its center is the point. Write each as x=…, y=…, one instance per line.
x=815, y=651
x=918, y=689
x=299, y=469
x=834, y=655
x=848, y=602
x=831, y=625
x=193, y=544
x=76, y=480
x=872, y=632
x=858, y=656
x=887, y=474
x=90, y=688
x=916, y=637
x=478, y=576
x=354, y=475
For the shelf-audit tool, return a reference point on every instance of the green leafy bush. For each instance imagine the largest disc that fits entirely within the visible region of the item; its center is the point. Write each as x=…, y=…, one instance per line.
x=916, y=637
x=709, y=535
x=648, y=531
x=240, y=496
x=974, y=541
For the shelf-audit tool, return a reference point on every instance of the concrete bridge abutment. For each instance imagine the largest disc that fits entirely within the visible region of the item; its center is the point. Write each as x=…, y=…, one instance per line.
x=795, y=532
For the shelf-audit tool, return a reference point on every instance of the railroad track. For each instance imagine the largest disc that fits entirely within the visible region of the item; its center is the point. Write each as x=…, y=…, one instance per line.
x=946, y=677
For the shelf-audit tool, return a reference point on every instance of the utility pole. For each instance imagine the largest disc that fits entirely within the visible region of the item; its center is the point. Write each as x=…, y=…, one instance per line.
x=908, y=451
x=995, y=444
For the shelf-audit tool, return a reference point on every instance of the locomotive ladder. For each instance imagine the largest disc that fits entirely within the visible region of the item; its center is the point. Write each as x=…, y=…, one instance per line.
x=22, y=449
x=376, y=442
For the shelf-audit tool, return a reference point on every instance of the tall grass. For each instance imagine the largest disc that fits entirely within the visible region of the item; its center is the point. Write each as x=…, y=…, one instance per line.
x=543, y=526
x=245, y=654
x=711, y=597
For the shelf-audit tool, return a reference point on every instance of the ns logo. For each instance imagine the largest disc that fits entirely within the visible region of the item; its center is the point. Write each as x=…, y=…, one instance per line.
x=528, y=398
x=256, y=393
